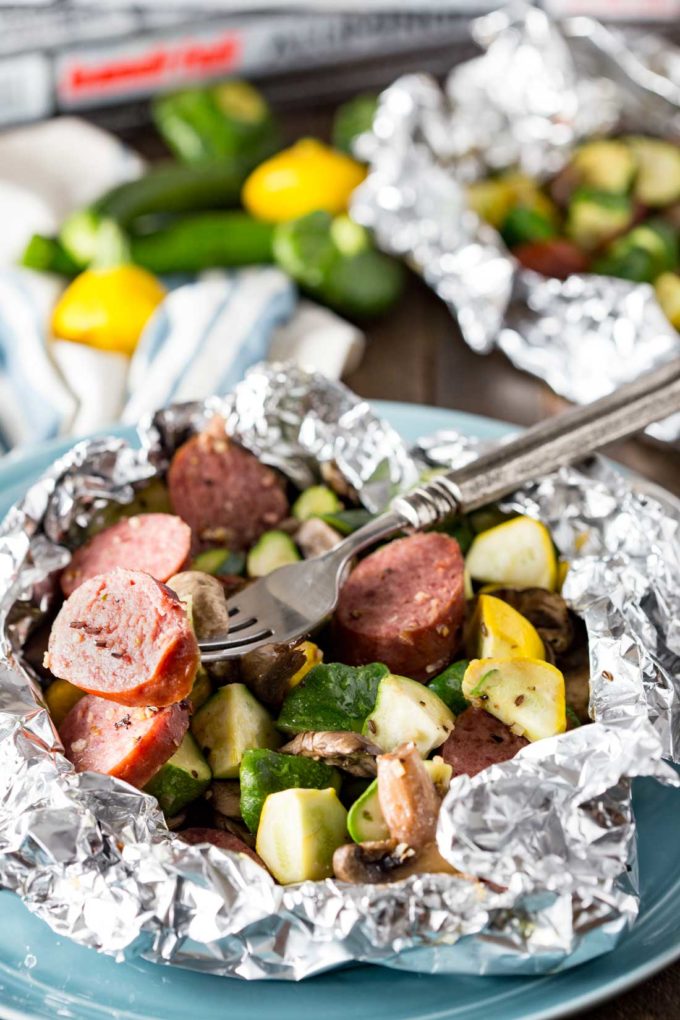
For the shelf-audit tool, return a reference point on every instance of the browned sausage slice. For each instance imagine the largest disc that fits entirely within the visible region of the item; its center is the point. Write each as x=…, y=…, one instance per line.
x=158, y=544
x=479, y=740
x=125, y=636
x=223, y=492
x=224, y=840
x=129, y=743
x=404, y=606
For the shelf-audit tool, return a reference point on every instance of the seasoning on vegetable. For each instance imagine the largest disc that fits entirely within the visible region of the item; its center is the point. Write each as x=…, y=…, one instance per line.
x=304, y=178
x=107, y=308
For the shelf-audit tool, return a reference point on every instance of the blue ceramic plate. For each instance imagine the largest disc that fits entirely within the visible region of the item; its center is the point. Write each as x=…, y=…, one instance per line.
x=43, y=976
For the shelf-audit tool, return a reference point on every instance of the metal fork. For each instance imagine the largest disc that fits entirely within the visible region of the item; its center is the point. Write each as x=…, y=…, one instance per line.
x=290, y=602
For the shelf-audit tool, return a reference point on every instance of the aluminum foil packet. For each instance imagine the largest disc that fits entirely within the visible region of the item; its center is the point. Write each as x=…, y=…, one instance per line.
x=539, y=88
x=545, y=842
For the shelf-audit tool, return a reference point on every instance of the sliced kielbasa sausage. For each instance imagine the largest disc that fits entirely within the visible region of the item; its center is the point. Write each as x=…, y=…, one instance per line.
x=223, y=492
x=129, y=743
x=126, y=637
x=404, y=606
x=158, y=544
x=477, y=741
x=224, y=840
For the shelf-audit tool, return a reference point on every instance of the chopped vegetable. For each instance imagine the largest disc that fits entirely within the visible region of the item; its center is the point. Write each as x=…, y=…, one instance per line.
x=365, y=820
x=299, y=832
x=304, y=178
x=332, y=697
x=193, y=243
x=406, y=710
x=526, y=694
x=498, y=631
x=522, y=225
x=107, y=308
x=596, y=216
x=265, y=772
x=642, y=254
x=352, y=119
x=272, y=550
x=182, y=779
x=316, y=501
x=448, y=686
x=668, y=295
x=221, y=120
x=606, y=164
x=60, y=697
x=201, y=690
x=348, y=521
x=230, y=723
x=313, y=656
x=519, y=553
x=220, y=562
x=658, y=177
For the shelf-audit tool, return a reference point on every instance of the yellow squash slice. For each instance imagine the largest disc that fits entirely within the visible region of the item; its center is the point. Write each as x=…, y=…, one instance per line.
x=518, y=553
x=526, y=694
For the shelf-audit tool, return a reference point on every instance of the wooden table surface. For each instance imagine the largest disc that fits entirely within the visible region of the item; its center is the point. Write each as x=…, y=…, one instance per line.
x=416, y=354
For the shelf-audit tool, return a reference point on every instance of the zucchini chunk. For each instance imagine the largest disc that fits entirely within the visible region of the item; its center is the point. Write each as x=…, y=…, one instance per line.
x=272, y=550
x=230, y=723
x=299, y=832
x=264, y=772
x=406, y=710
x=182, y=779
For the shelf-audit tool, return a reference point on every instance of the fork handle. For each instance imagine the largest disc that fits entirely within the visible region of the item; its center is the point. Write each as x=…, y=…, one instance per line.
x=544, y=448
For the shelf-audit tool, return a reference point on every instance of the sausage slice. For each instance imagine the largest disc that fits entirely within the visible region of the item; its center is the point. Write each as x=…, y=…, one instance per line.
x=404, y=606
x=224, y=840
x=129, y=743
x=126, y=637
x=158, y=544
x=223, y=492
x=477, y=741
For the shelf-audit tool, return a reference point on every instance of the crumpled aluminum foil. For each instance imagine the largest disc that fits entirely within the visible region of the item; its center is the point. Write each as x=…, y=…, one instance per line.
x=538, y=89
x=552, y=830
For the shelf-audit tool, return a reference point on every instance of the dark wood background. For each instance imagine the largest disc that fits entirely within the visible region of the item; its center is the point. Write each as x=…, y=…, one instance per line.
x=416, y=354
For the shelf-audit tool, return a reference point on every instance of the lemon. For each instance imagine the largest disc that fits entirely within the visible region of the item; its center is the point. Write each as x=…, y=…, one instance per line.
x=499, y=632
x=526, y=694
x=305, y=178
x=518, y=553
x=107, y=308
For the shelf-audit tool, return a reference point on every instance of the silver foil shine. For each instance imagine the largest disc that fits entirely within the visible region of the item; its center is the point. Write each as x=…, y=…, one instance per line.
x=552, y=829
x=539, y=88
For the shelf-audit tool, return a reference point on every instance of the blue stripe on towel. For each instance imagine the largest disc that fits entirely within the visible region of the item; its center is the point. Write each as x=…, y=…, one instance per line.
x=205, y=335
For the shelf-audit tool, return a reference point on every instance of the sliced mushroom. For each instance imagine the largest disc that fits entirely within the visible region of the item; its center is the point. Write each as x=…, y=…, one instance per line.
x=204, y=598
x=407, y=795
x=575, y=667
x=548, y=612
x=226, y=797
x=268, y=670
x=388, y=861
x=335, y=480
x=348, y=751
x=315, y=537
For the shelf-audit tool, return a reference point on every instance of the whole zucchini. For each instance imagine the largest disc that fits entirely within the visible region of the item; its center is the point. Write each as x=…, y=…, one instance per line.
x=194, y=243
x=171, y=188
